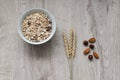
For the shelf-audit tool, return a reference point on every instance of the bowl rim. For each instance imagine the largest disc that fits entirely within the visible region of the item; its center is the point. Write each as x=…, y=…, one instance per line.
x=41, y=42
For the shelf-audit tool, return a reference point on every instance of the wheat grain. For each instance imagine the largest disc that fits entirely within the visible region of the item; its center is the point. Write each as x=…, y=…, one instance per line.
x=66, y=45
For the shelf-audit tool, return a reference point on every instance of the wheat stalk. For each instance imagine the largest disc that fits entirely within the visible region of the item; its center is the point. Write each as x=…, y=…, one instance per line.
x=66, y=44
x=70, y=49
x=70, y=61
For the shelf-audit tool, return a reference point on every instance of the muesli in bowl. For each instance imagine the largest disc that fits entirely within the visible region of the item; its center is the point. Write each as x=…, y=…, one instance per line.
x=36, y=26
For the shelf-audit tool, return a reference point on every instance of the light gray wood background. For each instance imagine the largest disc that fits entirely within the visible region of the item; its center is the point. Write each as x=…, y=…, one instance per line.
x=98, y=18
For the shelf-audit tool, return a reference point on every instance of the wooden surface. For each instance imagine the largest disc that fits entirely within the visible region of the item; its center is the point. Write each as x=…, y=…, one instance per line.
x=98, y=18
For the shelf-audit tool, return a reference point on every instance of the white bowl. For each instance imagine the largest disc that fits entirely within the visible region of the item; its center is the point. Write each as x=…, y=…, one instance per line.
x=34, y=10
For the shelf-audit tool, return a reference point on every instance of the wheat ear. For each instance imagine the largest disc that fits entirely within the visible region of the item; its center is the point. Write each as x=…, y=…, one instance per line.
x=71, y=42
x=66, y=45
x=74, y=44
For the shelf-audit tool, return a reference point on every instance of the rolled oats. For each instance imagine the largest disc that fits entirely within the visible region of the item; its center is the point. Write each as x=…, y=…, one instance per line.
x=36, y=27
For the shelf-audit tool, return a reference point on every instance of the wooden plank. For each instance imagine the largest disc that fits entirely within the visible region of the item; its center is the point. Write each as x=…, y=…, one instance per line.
x=90, y=18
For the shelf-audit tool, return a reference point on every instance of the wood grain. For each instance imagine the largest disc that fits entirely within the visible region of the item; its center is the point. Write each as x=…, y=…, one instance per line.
x=98, y=18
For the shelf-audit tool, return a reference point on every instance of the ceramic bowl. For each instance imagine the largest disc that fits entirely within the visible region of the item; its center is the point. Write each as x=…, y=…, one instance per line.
x=36, y=10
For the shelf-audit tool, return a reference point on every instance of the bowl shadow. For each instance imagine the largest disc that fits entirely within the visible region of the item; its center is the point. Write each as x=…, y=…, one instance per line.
x=40, y=51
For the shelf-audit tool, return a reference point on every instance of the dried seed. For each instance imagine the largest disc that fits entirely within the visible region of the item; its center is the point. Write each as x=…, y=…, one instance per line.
x=86, y=51
x=96, y=55
x=92, y=40
x=85, y=43
x=39, y=24
x=50, y=22
x=29, y=23
x=48, y=28
x=90, y=57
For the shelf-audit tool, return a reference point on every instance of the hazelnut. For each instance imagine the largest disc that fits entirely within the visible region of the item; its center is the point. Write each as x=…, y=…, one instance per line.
x=90, y=57
x=91, y=46
x=85, y=43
